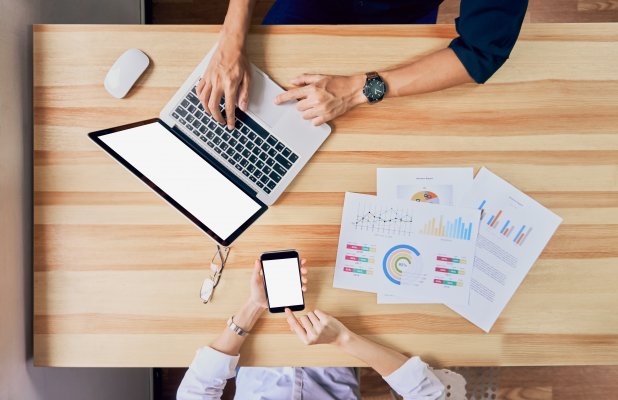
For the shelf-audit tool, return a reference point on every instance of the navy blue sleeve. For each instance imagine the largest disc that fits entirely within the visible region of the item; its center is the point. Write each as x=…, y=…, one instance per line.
x=488, y=30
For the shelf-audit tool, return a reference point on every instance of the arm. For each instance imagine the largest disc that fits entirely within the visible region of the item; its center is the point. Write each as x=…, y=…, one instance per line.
x=213, y=366
x=228, y=71
x=487, y=33
x=410, y=377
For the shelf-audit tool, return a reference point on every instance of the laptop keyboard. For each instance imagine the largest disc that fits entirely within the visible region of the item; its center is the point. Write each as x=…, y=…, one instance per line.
x=254, y=152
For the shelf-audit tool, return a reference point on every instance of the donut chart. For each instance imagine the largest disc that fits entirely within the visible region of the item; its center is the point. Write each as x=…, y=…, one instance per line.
x=426, y=196
x=399, y=259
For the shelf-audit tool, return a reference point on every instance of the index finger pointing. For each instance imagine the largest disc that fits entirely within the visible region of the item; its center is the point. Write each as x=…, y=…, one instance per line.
x=291, y=94
x=295, y=325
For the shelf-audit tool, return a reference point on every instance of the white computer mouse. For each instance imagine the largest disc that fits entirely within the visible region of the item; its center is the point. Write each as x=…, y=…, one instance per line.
x=125, y=72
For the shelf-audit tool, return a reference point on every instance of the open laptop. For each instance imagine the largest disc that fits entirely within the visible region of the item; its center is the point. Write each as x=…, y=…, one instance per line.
x=221, y=180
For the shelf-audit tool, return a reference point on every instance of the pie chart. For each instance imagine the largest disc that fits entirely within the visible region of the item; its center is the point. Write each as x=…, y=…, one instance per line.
x=426, y=196
x=399, y=260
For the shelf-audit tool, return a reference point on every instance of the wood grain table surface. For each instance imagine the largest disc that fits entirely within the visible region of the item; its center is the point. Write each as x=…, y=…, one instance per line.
x=117, y=270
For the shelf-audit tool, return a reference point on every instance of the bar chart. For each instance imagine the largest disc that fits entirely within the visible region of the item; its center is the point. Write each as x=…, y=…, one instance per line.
x=455, y=228
x=503, y=225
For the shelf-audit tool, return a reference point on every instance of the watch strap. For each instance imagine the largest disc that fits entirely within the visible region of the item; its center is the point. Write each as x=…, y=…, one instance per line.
x=372, y=74
x=235, y=328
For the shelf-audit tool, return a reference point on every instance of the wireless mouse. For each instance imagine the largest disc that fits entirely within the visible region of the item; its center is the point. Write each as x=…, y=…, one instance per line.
x=125, y=72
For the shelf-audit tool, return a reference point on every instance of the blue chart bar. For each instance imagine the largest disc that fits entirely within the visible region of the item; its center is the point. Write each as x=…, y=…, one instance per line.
x=519, y=233
x=482, y=204
x=469, y=231
x=490, y=219
x=504, y=227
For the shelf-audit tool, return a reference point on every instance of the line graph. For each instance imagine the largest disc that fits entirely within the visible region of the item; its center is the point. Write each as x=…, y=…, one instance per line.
x=377, y=219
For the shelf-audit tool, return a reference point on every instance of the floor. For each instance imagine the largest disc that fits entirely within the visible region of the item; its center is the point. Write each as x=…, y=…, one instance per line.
x=507, y=383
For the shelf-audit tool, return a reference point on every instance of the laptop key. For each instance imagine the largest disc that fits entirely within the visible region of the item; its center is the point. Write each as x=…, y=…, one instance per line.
x=245, y=173
x=237, y=157
x=196, y=124
x=232, y=142
x=257, y=173
x=175, y=115
x=202, y=129
x=279, y=146
x=203, y=138
x=258, y=141
x=283, y=161
x=217, y=140
x=238, y=124
x=245, y=129
x=192, y=109
x=280, y=170
x=286, y=152
x=218, y=150
x=236, y=134
x=267, y=190
x=244, y=162
x=271, y=185
x=211, y=144
x=243, y=140
x=266, y=170
x=190, y=118
x=199, y=115
x=239, y=147
x=227, y=137
x=224, y=146
x=184, y=103
x=238, y=167
x=256, y=151
x=274, y=176
x=252, y=135
x=271, y=140
x=230, y=151
x=260, y=184
x=246, y=153
x=193, y=98
x=196, y=132
x=219, y=131
x=212, y=125
x=210, y=135
x=259, y=164
x=272, y=152
x=251, y=167
x=264, y=179
x=252, y=178
x=263, y=156
x=253, y=158
x=293, y=157
x=224, y=155
x=270, y=162
x=250, y=145
x=265, y=146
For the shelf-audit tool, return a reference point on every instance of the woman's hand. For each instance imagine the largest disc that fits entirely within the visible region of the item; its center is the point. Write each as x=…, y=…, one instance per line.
x=322, y=98
x=317, y=328
x=258, y=294
x=227, y=74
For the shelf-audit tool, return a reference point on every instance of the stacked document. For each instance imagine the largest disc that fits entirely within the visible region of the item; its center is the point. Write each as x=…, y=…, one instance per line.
x=438, y=236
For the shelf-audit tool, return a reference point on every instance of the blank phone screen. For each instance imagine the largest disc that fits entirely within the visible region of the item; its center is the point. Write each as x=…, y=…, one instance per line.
x=283, y=285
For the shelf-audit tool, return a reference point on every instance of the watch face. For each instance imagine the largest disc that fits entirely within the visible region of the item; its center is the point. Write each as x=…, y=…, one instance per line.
x=374, y=89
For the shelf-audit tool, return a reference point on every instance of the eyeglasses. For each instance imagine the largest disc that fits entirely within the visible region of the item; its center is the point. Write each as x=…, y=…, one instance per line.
x=216, y=266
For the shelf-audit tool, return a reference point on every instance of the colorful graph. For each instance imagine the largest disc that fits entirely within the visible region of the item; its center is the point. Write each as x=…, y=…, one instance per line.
x=426, y=196
x=402, y=259
x=454, y=229
x=359, y=258
x=389, y=220
x=505, y=229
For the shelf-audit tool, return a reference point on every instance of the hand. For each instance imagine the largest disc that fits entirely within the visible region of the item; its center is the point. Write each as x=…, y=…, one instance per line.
x=325, y=97
x=317, y=328
x=258, y=294
x=227, y=74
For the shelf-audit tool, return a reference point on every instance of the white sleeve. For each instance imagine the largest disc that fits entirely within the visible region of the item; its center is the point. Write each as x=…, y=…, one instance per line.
x=415, y=381
x=207, y=375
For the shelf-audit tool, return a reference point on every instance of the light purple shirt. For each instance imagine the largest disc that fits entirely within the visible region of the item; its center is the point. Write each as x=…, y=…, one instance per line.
x=210, y=370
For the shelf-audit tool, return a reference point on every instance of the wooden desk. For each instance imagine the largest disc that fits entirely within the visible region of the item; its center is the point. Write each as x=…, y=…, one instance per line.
x=117, y=270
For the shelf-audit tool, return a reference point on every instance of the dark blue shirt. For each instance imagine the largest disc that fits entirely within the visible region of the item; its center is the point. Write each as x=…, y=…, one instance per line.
x=488, y=29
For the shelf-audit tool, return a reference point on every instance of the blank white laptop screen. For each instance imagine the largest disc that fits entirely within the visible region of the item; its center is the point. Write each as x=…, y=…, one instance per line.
x=186, y=177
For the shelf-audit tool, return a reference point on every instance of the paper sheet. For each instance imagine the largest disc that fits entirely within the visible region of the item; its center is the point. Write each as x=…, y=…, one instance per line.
x=513, y=231
x=406, y=248
x=445, y=186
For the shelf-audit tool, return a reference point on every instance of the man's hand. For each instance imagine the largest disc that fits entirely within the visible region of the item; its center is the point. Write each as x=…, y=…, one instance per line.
x=325, y=97
x=227, y=74
x=317, y=328
x=258, y=294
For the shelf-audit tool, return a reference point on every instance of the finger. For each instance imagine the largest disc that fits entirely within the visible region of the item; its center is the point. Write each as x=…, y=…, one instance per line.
x=315, y=321
x=256, y=271
x=318, y=120
x=304, y=288
x=311, y=113
x=303, y=279
x=304, y=105
x=243, y=97
x=230, y=107
x=304, y=270
x=321, y=315
x=306, y=323
x=295, y=325
x=199, y=86
x=204, y=96
x=292, y=94
x=306, y=79
x=213, y=104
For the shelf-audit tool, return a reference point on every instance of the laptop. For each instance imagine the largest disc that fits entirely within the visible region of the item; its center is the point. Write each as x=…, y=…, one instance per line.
x=221, y=180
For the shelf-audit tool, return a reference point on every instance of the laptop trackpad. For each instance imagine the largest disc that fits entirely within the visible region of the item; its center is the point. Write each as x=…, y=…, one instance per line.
x=262, y=98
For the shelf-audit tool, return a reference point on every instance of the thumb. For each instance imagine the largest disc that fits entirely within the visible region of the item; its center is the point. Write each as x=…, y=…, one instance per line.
x=256, y=271
x=306, y=79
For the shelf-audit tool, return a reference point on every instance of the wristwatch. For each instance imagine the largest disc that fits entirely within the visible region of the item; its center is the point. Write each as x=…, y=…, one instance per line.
x=235, y=328
x=375, y=87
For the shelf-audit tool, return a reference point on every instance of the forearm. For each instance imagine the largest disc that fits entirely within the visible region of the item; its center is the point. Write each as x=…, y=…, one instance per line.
x=237, y=21
x=229, y=342
x=436, y=71
x=381, y=358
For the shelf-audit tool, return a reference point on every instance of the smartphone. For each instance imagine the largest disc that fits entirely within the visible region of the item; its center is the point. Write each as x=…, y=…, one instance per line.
x=281, y=273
